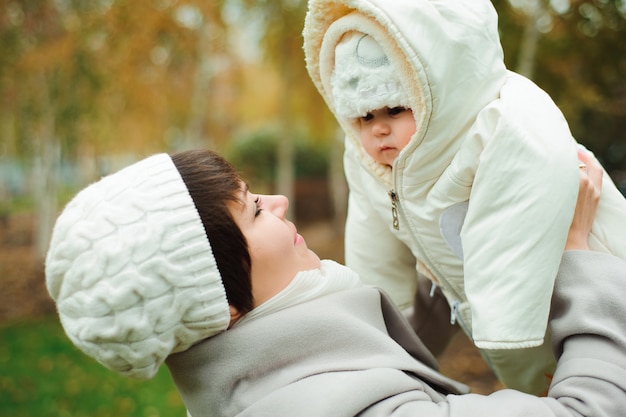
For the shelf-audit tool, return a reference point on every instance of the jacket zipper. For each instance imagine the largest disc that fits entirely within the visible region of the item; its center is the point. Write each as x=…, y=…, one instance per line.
x=394, y=209
x=454, y=312
x=455, y=305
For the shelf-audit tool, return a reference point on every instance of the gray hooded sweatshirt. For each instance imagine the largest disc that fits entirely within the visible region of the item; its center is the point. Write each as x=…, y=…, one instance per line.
x=352, y=353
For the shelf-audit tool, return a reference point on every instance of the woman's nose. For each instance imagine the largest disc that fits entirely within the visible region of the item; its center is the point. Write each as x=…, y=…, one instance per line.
x=277, y=205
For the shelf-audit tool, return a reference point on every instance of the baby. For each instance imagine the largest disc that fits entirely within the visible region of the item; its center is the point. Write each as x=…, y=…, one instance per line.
x=458, y=169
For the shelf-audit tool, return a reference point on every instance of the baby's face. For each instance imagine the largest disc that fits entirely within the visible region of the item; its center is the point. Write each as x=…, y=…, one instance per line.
x=385, y=132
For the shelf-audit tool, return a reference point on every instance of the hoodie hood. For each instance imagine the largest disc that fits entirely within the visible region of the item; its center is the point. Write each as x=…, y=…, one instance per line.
x=448, y=58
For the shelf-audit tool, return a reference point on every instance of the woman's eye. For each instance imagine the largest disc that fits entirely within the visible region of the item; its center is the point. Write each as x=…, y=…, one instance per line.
x=257, y=204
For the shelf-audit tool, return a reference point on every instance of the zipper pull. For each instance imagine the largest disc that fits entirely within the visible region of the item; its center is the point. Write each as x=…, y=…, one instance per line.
x=394, y=209
x=433, y=288
x=454, y=311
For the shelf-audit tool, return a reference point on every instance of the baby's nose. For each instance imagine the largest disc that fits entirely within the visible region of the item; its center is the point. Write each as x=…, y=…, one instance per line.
x=380, y=128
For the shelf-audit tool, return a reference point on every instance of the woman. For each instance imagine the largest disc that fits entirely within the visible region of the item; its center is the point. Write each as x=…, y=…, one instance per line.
x=174, y=260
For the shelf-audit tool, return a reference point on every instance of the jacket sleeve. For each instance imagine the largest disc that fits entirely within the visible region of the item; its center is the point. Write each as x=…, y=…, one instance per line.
x=589, y=340
x=520, y=209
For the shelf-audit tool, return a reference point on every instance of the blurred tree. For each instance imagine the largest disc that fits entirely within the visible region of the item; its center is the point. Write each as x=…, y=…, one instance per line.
x=211, y=57
x=280, y=24
x=82, y=79
x=46, y=82
x=576, y=51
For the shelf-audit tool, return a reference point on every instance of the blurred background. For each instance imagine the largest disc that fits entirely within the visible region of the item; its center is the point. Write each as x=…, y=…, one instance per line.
x=89, y=86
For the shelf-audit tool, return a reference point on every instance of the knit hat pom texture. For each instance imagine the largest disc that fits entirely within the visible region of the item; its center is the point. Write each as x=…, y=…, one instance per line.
x=363, y=79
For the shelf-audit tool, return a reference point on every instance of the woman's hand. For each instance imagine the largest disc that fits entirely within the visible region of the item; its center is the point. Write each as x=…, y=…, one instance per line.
x=587, y=203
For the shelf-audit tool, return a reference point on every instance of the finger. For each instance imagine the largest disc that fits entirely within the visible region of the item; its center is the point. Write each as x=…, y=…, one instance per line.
x=592, y=167
x=584, y=155
x=595, y=173
x=583, y=159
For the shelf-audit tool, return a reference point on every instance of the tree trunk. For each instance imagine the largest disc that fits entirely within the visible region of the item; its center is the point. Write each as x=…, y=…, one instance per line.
x=285, y=145
x=530, y=38
x=45, y=172
x=338, y=185
x=200, y=94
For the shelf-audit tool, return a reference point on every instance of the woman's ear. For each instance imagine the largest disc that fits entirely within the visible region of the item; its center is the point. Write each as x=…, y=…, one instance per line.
x=234, y=315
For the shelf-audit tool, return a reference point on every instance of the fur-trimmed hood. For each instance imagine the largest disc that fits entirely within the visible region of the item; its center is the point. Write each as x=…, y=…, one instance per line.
x=445, y=98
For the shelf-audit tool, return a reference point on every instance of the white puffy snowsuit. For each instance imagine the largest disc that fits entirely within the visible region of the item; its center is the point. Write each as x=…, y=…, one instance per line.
x=481, y=199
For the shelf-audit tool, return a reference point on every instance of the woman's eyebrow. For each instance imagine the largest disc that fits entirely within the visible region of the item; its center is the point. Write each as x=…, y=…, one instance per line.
x=244, y=196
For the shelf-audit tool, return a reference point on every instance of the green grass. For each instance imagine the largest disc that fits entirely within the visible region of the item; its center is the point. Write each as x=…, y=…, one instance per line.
x=42, y=374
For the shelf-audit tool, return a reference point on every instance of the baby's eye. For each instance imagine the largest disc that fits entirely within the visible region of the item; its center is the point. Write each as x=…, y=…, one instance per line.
x=367, y=117
x=394, y=111
x=258, y=203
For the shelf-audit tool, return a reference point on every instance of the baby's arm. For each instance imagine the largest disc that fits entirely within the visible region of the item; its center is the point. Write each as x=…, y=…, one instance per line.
x=588, y=330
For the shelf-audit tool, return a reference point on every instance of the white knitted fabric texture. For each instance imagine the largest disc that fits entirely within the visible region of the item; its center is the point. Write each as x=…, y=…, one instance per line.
x=363, y=79
x=132, y=271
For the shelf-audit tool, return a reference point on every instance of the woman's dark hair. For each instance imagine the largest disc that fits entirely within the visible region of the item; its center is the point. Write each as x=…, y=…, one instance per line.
x=212, y=183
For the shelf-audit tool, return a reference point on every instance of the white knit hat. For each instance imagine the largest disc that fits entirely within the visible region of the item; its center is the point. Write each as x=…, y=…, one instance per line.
x=363, y=79
x=132, y=271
